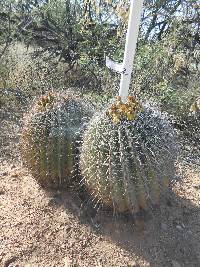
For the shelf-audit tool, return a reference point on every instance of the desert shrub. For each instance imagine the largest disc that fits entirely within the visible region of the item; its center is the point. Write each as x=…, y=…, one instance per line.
x=30, y=73
x=34, y=72
x=167, y=71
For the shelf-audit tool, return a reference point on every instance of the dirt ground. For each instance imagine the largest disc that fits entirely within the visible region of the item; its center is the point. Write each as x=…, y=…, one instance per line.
x=41, y=228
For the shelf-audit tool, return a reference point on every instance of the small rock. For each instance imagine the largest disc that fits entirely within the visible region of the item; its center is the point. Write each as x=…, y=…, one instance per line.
x=197, y=187
x=10, y=262
x=63, y=246
x=175, y=264
x=133, y=264
x=67, y=262
x=2, y=192
x=14, y=174
x=164, y=226
x=4, y=173
x=100, y=263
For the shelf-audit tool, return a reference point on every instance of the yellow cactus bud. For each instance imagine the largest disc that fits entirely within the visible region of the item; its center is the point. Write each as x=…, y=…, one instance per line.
x=123, y=108
x=119, y=110
x=113, y=107
x=131, y=98
x=130, y=116
x=115, y=117
x=118, y=98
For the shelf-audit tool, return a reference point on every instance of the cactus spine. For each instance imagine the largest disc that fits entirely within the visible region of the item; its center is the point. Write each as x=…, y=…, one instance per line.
x=127, y=156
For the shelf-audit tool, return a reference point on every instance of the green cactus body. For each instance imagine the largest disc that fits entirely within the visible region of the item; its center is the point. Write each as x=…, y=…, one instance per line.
x=127, y=164
x=49, y=135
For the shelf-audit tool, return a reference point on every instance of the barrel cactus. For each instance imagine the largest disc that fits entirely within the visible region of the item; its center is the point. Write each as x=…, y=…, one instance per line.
x=48, y=139
x=127, y=156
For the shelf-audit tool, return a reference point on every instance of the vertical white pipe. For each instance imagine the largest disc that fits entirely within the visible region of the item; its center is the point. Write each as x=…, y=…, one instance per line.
x=131, y=41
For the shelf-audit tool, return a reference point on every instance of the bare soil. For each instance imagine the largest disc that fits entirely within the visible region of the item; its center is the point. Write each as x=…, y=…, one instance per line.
x=41, y=228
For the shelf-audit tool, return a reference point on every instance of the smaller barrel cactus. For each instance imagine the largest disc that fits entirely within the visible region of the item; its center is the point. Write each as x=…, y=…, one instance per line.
x=48, y=139
x=127, y=157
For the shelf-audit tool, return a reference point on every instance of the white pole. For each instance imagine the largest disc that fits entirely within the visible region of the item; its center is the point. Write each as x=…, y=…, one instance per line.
x=131, y=41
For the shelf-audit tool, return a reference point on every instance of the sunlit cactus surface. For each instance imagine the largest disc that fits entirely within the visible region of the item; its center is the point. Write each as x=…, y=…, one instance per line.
x=48, y=141
x=128, y=155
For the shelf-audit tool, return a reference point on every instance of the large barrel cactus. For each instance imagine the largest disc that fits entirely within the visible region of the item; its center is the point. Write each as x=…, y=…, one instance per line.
x=49, y=136
x=127, y=157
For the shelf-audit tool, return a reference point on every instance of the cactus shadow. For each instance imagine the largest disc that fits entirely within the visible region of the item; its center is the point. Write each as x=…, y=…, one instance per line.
x=165, y=236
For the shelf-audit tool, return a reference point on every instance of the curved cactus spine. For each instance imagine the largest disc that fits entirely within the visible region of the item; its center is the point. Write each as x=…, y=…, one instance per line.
x=127, y=157
x=49, y=137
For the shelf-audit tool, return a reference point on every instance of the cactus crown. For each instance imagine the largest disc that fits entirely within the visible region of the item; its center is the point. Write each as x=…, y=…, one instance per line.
x=45, y=101
x=120, y=111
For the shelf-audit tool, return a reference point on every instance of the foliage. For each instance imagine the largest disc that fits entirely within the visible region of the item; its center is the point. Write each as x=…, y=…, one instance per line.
x=31, y=74
x=168, y=72
x=67, y=27
x=67, y=42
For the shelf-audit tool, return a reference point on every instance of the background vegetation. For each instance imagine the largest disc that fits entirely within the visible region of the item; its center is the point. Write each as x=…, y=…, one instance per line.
x=59, y=44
